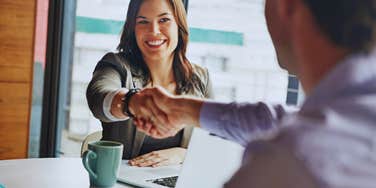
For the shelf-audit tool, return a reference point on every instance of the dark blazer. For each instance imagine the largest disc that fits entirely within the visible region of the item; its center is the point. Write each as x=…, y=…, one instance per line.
x=112, y=72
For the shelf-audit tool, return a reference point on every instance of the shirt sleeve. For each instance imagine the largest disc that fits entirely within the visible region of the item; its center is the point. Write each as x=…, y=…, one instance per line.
x=241, y=122
x=107, y=105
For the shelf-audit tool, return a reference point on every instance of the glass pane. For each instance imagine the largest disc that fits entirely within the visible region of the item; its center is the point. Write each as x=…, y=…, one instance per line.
x=230, y=38
x=97, y=31
x=293, y=82
x=292, y=97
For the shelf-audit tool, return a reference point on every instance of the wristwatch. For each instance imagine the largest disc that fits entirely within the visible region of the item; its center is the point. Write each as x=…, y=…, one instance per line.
x=126, y=100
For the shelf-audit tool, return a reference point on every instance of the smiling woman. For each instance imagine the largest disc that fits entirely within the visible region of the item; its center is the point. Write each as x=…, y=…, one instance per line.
x=156, y=34
x=157, y=20
x=152, y=52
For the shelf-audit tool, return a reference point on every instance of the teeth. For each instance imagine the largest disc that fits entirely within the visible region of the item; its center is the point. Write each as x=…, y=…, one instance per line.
x=155, y=42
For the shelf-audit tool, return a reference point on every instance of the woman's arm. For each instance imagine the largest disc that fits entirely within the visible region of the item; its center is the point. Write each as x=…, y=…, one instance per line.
x=240, y=122
x=104, y=81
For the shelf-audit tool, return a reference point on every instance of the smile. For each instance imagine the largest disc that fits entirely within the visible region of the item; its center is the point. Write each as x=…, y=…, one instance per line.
x=155, y=43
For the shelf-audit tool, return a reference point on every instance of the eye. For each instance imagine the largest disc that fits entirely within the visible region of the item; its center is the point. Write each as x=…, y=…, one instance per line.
x=163, y=20
x=142, y=22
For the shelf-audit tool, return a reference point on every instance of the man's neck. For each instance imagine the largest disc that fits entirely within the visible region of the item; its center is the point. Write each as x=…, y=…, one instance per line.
x=317, y=62
x=315, y=54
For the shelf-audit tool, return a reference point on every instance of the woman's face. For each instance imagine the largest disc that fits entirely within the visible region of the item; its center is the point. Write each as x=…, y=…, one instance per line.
x=156, y=30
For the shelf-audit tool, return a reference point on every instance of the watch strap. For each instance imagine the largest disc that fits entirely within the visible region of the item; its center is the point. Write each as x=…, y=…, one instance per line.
x=126, y=100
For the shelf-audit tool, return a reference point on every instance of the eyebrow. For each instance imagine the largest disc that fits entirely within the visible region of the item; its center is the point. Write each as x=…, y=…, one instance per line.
x=163, y=14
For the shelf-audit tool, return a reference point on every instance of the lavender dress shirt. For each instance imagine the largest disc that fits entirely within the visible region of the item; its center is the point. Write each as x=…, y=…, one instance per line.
x=329, y=143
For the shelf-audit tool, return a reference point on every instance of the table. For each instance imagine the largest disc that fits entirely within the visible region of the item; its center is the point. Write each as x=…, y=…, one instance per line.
x=45, y=173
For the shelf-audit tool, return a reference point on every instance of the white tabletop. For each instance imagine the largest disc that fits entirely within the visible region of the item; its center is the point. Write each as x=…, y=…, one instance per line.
x=45, y=172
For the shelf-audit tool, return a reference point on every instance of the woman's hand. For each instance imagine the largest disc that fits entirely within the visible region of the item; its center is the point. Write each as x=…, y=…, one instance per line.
x=164, y=157
x=166, y=114
x=143, y=106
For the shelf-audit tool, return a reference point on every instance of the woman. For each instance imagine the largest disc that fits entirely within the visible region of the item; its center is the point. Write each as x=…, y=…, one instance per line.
x=151, y=53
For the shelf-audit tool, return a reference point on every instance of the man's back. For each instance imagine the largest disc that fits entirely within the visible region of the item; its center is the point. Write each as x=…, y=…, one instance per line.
x=331, y=142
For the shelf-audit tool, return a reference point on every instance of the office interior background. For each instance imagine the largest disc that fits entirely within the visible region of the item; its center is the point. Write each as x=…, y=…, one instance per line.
x=50, y=48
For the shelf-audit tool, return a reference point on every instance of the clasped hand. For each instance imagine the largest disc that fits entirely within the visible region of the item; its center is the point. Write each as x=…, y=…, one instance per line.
x=158, y=113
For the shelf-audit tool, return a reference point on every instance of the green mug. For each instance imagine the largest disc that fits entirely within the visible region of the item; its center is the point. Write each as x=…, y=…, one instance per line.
x=102, y=161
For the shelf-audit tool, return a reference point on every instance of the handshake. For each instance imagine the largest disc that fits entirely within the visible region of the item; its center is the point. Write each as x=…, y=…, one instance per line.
x=160, y=114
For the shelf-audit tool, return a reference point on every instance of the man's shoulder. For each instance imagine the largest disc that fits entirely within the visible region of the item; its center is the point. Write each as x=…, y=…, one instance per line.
x=330, y=132
x=327, y=145
x=271, y=164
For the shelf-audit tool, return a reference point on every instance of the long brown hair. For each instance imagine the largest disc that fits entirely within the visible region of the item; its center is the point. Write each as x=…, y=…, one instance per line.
x=128, y=45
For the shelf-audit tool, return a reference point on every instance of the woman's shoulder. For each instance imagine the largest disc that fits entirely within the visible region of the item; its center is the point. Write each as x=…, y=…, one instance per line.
x=200, y=81
x=112, y=58
x=113, y=61
x=200, y=71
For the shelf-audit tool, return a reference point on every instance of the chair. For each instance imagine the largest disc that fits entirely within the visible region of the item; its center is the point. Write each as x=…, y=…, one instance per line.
x=95, y=136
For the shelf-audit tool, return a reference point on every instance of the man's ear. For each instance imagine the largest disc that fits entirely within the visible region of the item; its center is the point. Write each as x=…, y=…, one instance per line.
x=286, y=9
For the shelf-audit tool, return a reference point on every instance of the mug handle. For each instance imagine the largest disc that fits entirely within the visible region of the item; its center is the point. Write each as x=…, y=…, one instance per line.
x=85, y=161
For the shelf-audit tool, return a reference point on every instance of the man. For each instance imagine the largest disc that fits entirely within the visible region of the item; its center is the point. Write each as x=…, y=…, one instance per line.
x=331, y=141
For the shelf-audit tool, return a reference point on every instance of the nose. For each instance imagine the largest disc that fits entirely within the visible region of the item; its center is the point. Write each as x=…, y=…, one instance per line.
x=154, y=28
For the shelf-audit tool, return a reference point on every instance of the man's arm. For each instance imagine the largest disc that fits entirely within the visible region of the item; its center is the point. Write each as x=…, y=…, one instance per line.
x=240, y=122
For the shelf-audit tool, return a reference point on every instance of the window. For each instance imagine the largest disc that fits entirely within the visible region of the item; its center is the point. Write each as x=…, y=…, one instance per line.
x=292, y=90
x=215, y=63
x=97, y=31
x=229, y=37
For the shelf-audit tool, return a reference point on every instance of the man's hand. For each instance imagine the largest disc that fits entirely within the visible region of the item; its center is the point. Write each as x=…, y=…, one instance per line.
x=163, y=114
x=142, y=106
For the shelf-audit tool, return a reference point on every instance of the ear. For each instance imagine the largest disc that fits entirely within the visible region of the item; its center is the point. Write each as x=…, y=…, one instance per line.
x=287, y=9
